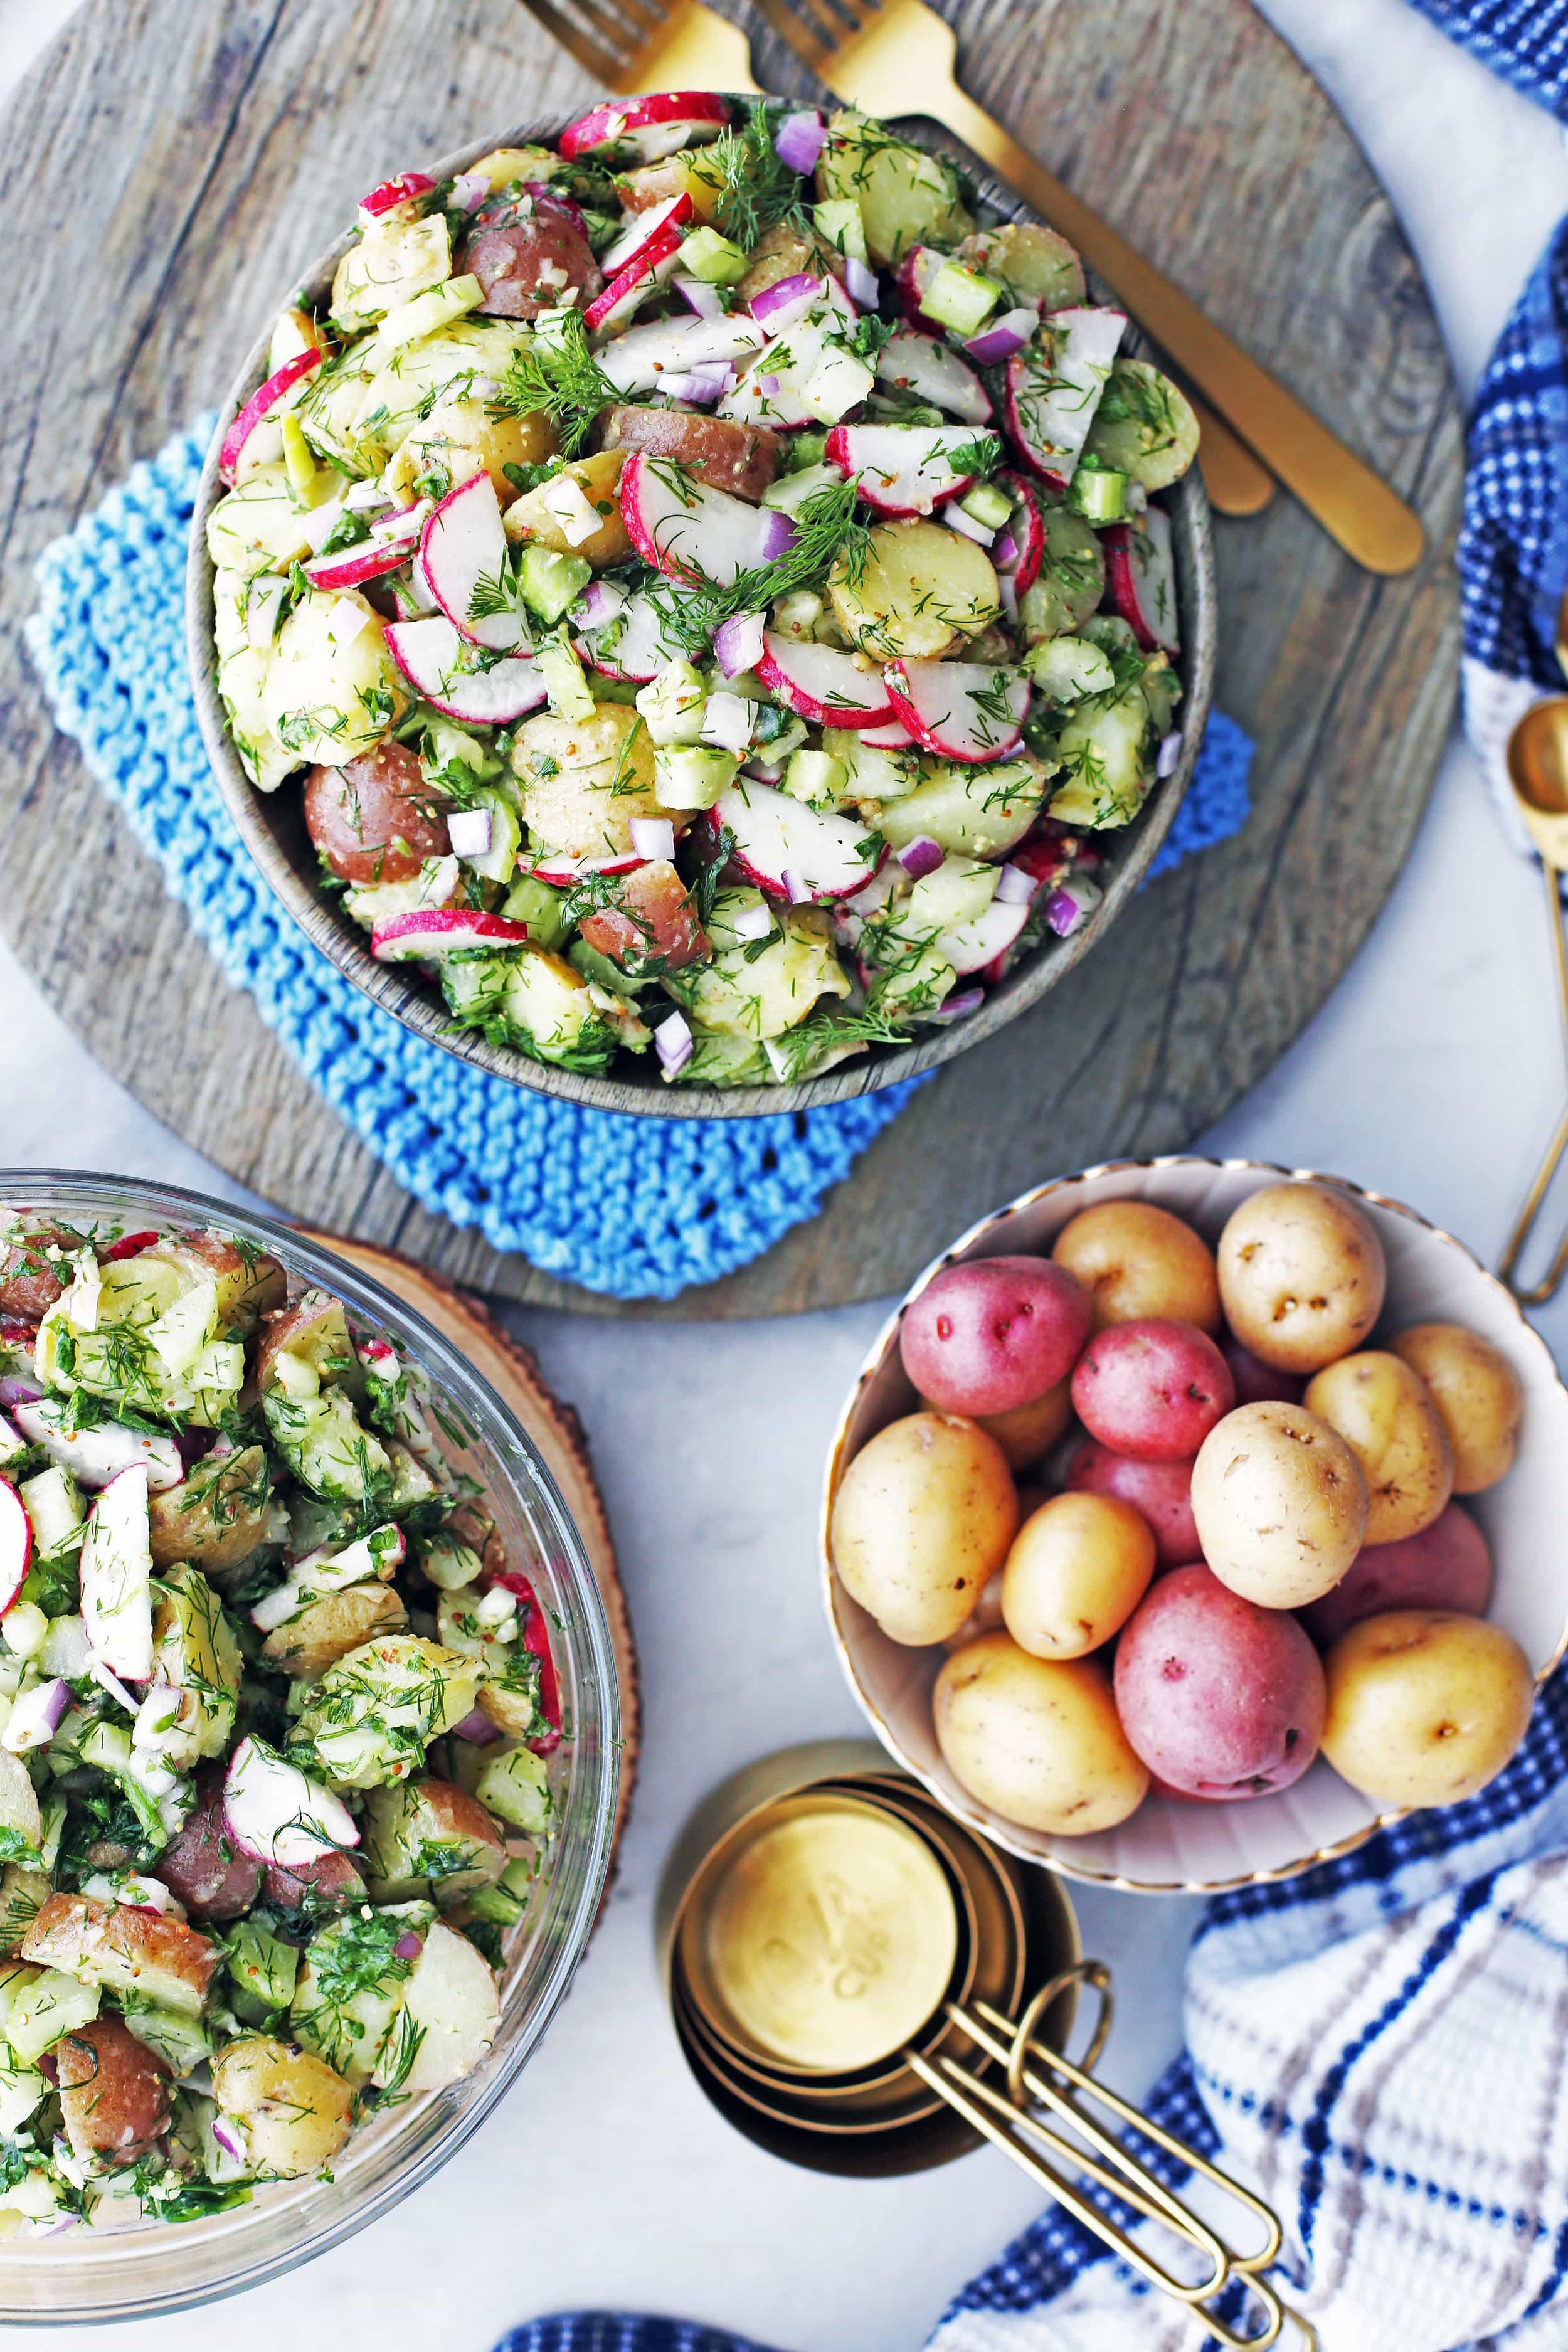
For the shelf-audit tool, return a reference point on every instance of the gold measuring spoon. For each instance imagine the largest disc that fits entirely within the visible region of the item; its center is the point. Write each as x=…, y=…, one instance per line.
x=1538, y=771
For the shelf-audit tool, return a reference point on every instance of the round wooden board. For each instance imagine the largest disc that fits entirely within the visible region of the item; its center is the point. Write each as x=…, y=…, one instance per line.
x=556, y=1430
x=227, y=146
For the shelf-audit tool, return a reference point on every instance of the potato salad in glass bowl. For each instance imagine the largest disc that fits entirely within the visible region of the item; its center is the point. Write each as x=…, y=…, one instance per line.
x=279, y=1717
x=706, y=582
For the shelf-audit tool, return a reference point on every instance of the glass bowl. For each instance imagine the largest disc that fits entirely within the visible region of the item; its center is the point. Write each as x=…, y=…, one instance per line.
x=152, y=2267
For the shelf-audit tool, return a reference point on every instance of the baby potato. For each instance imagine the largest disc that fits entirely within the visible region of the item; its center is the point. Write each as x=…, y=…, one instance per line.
x=924, y=1516
x=1447, y=1566
x=1078, y=1568
x=1160, y=1492
x=328, y=1629
x=1424, y=1706
x=115, y=2092
x=1281, y=1504
x=1136, y=1260
x=201, y=1865
x=1478, y=1395
x=1302, y=1275
x=292, y=2110
x=1154, y=1388
x=1222, y=1700
x=1038, y=1739
x=913, y=593
x=1030, y=1430
x=1256, y=1381
x=125, y=1949
x=1385, y=1412
x=994, y=1333
x=454, y=2002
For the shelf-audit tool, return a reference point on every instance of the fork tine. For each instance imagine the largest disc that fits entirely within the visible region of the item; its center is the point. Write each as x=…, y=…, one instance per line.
x=619, y=39
x=821, y=21
x=646, y=18
x=603, y=64
x=810, y=46
x=858, y=13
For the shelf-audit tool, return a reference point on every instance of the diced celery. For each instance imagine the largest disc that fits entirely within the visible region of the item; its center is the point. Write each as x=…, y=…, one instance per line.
x=563, y=681
x=549, y=581
x=712, y=257
x=499, y=860
x=692, y=775
x=840, y=223
x=989, y=504
x=960, y=299
x=816, y=778
x=672, y=704
x=298, y=461
x=52, y=2004
x=804, y=449
x=1097, y=494
x=517, y=1787
x=792, y=490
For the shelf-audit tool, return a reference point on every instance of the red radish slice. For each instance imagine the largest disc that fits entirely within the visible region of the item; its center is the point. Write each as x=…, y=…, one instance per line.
x=971, y=946
x=645, y=358
x=116, y=1568
x=16, y=1544
x=129, y=1246
x=641, y=649
x=351, y=567
x=275, y=1813
x=655, y=126
x=912, y=281
x=95, y=1455
x=398, y=191
x=1054, y=388
x=823, y=686
x=643, y=228
x=894, y=737
x=685, y=528
x=965, y=710
x=932, y=371
x=1140, y=574
x=464, y=542
x=1027, y=527
x=775, y=836
x=903, y=469
x=562, y=870
x=260, y=405
x=441, y=932
x=436, y=661
x=625, y=295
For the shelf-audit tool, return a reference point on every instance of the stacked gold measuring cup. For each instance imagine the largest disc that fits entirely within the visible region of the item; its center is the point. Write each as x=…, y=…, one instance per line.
x=864, y=1987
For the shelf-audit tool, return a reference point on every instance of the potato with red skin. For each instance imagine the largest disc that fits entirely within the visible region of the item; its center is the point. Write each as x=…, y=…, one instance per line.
x=1447, y=1566
x=528, y=266
x=742, y=458
x=250, y=1283
x=374, y=819
x=314, y=1890
x=1154, y=1388
x=994, y=1333
x=1256, y=1381
x=1301, y=1275
x=315, y=1328
x=124, y=1950
x=1281, y=1503
x=1161, y=1492
x=652, y=925
x=201, y=1865
x=1137, y=1260
x=1220, y=1698
x=29, y=1282
x=114, y=2093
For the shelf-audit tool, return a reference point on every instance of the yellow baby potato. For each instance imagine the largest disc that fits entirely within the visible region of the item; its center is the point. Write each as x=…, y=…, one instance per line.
x=1078, y=1568
x=1478, y=1395
x=923, y=1518
x=1385, y=1414
x=1037, y=1740
x=1281, y=1504
x=1302, y=1275
x=1030, y=1430
x=1136, y=1260
x=1424, y=1706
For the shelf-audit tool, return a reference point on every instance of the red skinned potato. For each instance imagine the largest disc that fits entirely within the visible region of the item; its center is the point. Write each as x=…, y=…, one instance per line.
x=1219, y=1698
x=1136, y=1260
x=1152, y=1389
x=314, y=1890
x=1161, y=1492
x=996, y=1333
x=1256, y=1381
x=652, y=924
x=29, y=1282
x=526, y=266
x=373, y=819
x=1447, y=1566
x=202, y=1867
x=743, y=459
x=115, y=2092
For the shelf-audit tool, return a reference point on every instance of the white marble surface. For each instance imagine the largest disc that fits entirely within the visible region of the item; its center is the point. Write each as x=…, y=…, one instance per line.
x=1433, y=1074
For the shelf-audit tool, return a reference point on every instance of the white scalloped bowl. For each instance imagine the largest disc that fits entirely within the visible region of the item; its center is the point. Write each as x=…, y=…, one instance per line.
x=1168, y=1847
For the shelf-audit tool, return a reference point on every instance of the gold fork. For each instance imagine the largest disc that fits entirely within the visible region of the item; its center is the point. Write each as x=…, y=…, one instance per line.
x=898, y=58
x=630, y=46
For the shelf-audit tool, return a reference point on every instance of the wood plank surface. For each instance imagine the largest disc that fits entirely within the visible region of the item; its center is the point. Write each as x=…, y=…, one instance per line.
x=176, y=163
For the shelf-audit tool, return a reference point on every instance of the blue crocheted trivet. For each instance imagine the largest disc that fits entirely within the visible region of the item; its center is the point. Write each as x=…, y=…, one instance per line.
x=637, y=1208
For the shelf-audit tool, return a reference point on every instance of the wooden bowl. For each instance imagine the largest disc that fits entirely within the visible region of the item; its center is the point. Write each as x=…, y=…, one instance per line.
x=1169, y=1846
x=272, y=824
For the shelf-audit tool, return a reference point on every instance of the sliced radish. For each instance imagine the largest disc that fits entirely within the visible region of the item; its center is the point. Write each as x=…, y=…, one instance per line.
x=641, y=231
x=562, y=871
x=903, y=469
x=129, y=1246
x=438, y=664
x=625, y=295
x=823, y=686
x=794, y=852
x=398, y=191
x=806, y=377
x=16, y=1544
x=970, y=947
x=95, y=1455
x=641, y=649
x=642, y=360
x=276, y=1813
x=654, y=126
x=1140, y=574
x=436, y=931
x=462, y=543
x=351, y=567
x=260, y=405
x=685, y=528
x=1054, y=388
x=912, y=278
x=894, y=737
x=932, y=371
x=965, y=710
x=117, y=1577
x=1027, y=531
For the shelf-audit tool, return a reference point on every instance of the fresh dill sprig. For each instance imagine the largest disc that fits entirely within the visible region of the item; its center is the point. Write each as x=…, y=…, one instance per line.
x=557, y=376
x=758, y=190
x=827, y=536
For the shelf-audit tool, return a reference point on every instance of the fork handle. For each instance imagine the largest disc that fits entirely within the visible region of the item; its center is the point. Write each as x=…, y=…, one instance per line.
x=1362, y=513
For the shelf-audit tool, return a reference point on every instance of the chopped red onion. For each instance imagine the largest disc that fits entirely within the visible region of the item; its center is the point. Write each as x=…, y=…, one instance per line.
x=365, y=497
x=674, y=1042
x=15, y=1389
x=698, y=296
x=1007, y=594
x=768, y=384
x=794, y=887
x=1169, y=757
x=408, y=1946
x=738, y=643
x=800, y=140
x=37, y=1715
x=599, y=605
x=965, y=524
x=228, y=2138
x=1003, y=338
x=1015, y=886
x=114, y=1687
x=777, y=536
x=764, y=771
x=922, y=856
x=861, y=282
x=653, y=837
x=701, y=389
x=753, y=922
x=1068, y=905
x=785, y=300
x=955, y=1008
x=476, y=1728
x=1005, y=550
x=468, y=831
x=727, y=721
x=469, y=190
